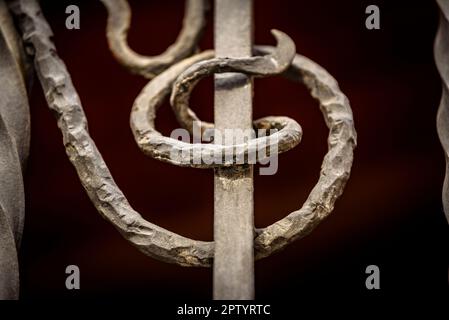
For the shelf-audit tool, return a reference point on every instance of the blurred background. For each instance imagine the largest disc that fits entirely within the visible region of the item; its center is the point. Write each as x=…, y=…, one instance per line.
x=390, y=214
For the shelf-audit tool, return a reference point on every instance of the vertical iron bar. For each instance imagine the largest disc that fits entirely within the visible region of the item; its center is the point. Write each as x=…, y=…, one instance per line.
x=233, y=187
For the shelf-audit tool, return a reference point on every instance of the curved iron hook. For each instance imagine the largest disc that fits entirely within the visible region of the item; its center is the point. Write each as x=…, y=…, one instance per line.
x=441, y=51
x=119, y=18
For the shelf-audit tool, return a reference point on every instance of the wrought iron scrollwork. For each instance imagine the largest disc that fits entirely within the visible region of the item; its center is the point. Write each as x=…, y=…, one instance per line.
x=442, y=62
x=14, y=145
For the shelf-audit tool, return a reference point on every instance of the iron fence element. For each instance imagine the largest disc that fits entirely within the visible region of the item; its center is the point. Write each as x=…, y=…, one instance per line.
x=237, y=242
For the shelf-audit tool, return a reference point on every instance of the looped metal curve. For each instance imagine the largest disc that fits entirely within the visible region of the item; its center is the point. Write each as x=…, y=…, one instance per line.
x=15, y=75
x=260, y=66
x=182, y=153
x=119, y=18
x=441, y=51
x=92, y=171
x=336, y=166
x=111, y=203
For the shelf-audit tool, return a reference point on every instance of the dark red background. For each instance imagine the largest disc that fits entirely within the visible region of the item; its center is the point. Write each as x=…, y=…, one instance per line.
x=390, y=214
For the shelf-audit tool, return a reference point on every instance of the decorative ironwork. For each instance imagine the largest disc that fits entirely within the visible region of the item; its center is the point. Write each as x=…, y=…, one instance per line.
x=179, y=80
x=14, y=145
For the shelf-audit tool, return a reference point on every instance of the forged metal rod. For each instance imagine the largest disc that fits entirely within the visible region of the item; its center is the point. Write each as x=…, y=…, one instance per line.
x=14, y=144
x=261, y=66
x=119, y=19
x=109, y=199
x=336, y=166
x=181, y=153
x=233, y=187
x=442, y=62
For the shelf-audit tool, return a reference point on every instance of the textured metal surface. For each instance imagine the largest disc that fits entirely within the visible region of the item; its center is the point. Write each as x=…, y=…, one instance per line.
x=233, y=268
x=119, y=19
x=260, y=66
x=110, y=201
x=14, y=145
x=336, y=166
x=442, y=62
x=187, y=74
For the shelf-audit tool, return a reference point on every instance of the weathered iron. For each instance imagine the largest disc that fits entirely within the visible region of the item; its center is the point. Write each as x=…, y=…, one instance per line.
x=119, y=19
x=144, y=110
x=237, y=243
x=441, y=52
x=14, y=145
